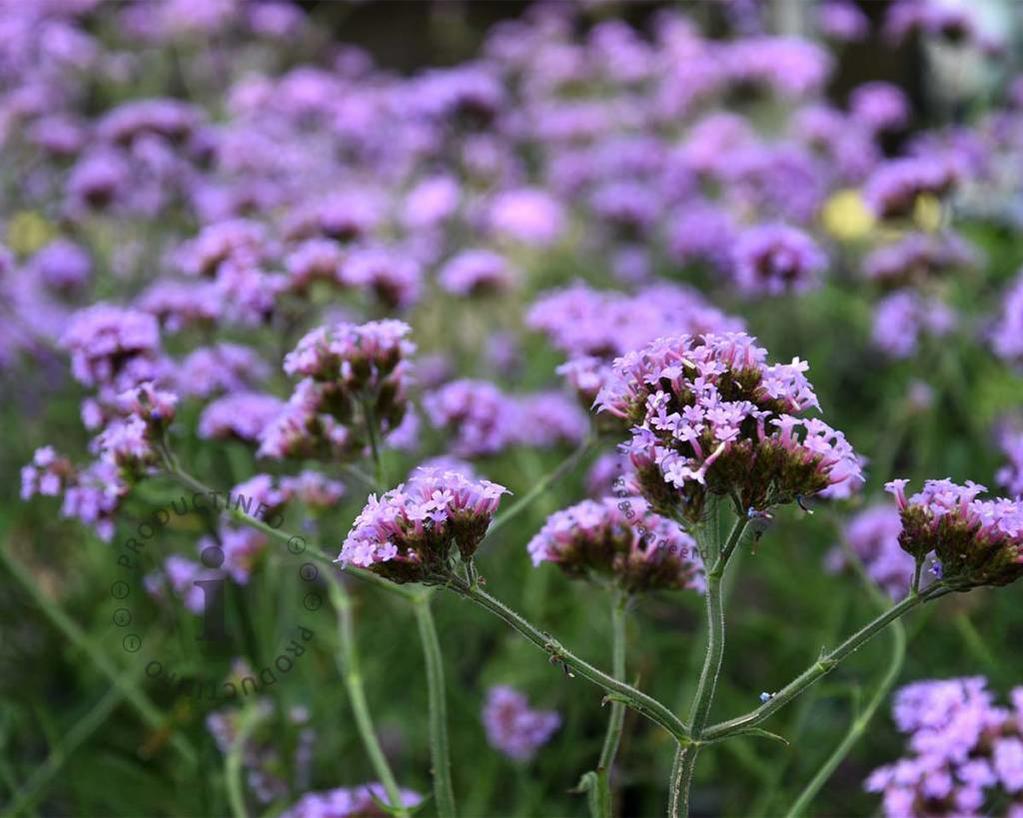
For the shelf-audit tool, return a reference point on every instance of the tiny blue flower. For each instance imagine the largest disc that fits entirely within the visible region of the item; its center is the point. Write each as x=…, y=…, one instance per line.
x=766, y=697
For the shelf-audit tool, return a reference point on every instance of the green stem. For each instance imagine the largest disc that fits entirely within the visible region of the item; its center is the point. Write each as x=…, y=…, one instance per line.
x=541, y=486
x=682, y=779
x=233, y=763
x=917, y=572
x=617, y=720
x=825, y=664
x=685, y=762
x=348, y=665
x=440, y=755
x=636, y=699
x=374, y=440
x=862, y=720
x=149, y=713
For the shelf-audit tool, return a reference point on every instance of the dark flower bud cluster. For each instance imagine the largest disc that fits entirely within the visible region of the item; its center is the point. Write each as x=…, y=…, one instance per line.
x=977, y=542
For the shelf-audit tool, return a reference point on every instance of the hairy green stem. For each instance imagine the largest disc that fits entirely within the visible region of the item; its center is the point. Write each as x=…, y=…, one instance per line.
x=861, y=720
x=440, y=754
x=351, y=673
x=630, y=696
x=825, y=664
x=617, y=719
x=681, y=779
x=685, y=762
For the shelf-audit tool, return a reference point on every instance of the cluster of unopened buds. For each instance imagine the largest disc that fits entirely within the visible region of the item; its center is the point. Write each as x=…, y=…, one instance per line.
x=619, y=540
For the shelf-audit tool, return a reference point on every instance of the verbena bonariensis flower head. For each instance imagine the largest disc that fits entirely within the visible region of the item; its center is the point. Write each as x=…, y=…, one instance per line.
x=708, y=415
x=619, y=540
x=356, y=802
x=105, y=340
x=1007, y=334
x=1010, y=476
x=352, y=364
x=408, y=533
x=900, y=319
x=965, y=752
x=513, y=727
x=477, y=272
x=772, y=259
x=977, y=542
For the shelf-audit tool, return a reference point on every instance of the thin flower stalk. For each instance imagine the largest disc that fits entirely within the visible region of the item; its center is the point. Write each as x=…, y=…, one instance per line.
x=616, y=720
x=440, y=753
x=351, y=673
x=685, y=761
x=863, y=718
x=618, y=690
x=825, y=664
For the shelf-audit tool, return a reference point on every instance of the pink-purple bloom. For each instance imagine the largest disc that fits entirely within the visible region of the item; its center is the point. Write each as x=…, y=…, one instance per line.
x=408, y=533
x=965, y=752
x=619, y=540
x=513, y=727
x=707, y=414
x=976, y=542
x=353, y=802
x=774, y=259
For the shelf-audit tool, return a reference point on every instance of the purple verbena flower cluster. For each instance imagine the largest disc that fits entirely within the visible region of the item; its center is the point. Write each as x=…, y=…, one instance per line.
x=354, y=802
x=485, y=421
x=707, y=414
x=513, y=727
x=977, y=542
x=965, y=752
x=407, y=534
x=619, y=540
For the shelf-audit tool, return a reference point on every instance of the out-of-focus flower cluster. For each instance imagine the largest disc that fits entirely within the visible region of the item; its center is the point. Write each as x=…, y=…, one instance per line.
x=873, y=536
x=349, y=802
x=965, y=753
x=270, y=772
x=513, y=727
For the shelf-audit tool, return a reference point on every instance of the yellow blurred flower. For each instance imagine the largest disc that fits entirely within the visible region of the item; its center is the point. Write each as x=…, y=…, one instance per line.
x=846, y=216
x=927, y=212
x=27, y=231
